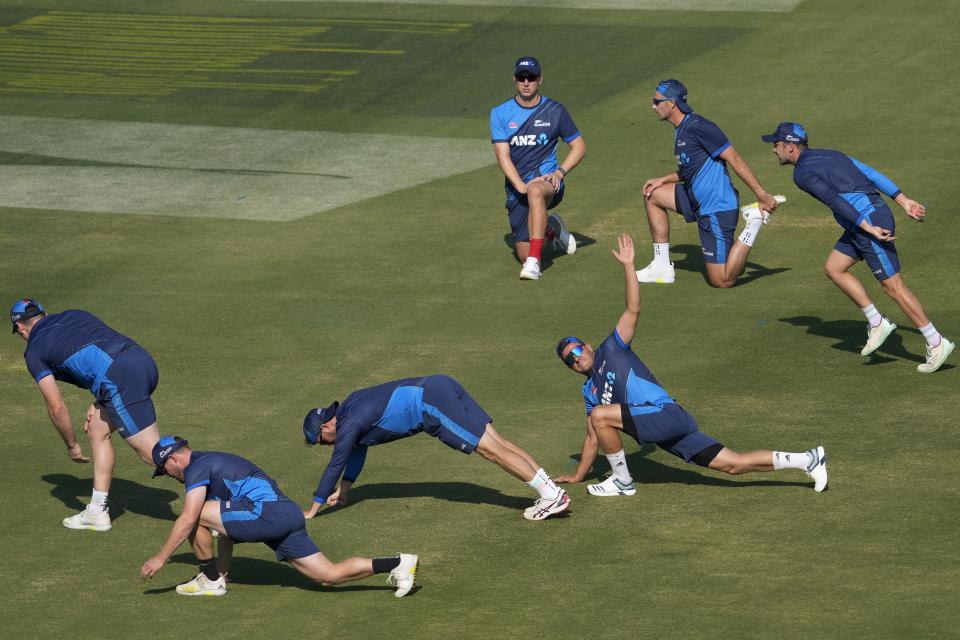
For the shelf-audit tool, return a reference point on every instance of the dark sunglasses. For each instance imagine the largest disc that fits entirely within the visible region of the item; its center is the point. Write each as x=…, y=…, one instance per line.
x=525, y=77
x=658, y=101
x=571, y=358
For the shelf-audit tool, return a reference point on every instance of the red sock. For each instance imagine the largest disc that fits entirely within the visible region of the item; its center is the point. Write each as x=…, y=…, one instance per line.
x=536, y=248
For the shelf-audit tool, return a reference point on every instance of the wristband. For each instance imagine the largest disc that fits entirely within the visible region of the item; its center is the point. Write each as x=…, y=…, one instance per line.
x=562, y=171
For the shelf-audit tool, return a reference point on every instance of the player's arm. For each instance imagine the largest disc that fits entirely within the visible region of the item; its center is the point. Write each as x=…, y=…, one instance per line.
x=181, y=530
x=733, y=158
x=502, y=151
x=60, y=417
x=350, y=474
x=588, y=453
x=627, y=324
x=819, y=189
x=888, y=188
x=347, y=435
x=653, y=184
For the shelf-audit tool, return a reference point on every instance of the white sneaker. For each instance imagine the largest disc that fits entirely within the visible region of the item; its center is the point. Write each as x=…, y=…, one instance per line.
x=562, y=239
x=876, y=336
x=612, y=487
x=653, y=273
x=753, y=211
x=936, y=356
x=531, y=270
x=543, y=508
x=403, y=574
x=203, y=586
x=86, y=520
x=817, y=469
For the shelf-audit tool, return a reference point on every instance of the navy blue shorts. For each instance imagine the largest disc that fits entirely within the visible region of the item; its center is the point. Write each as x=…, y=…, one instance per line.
x=279, y=525
x=881, y=257
x=716, y=229
x=126, y=389
x=449, y=413
x=518, y=211
x=671, y=428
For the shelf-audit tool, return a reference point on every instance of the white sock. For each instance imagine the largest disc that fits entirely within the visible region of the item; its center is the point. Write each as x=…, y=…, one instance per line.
x=873, y=316
x=750, y=232
x=544, y=485
x=618, y=464
x=661, y=254
x=98, y=502
x=930, y=334
x=784, y=460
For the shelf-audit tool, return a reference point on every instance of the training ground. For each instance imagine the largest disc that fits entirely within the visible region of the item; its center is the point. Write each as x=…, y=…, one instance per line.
x=286, y=201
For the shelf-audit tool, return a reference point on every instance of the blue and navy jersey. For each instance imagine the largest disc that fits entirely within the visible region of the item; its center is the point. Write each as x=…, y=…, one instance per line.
x=620, y=377
x=368, y=417
x=74, y=346
x=230, y=477
x=844, y=184
x=698, y=144
x=532, y=134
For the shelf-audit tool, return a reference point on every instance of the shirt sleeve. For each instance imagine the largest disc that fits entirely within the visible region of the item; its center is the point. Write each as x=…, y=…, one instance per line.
x=355, y=464
x=196, y=474
x=819, y=189
x=590, y=399
x=882, y=182
x=498, y=132
x=712, y=138
x=568, y=128
x=36, y=366
x=347, y=434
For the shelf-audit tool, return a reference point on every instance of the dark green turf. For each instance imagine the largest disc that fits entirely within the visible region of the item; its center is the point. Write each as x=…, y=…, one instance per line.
x=252, y=323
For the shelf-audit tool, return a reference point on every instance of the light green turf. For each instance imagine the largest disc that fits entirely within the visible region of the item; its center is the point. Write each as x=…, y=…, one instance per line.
x=253, y=322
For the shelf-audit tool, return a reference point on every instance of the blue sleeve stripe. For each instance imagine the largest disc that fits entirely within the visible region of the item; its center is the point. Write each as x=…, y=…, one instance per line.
x=572, y=138
x=625, y=345
x=197, y=484
x=43, y=374
x=319, y=500
x=720, y=150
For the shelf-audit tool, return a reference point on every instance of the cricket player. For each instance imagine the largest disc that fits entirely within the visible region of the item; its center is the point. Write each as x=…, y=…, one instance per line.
x=232, y=496
x=622, y=395
x=436, y=404
x=524, y=131
x=77, y=347
x=852, y=191
x=701, y=191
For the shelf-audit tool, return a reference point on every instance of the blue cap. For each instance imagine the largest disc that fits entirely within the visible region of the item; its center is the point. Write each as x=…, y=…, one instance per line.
x=527, y=64
x=674, y=90
x=23, y=309
x=316, y=417
x=788, y=132
x=163, y=450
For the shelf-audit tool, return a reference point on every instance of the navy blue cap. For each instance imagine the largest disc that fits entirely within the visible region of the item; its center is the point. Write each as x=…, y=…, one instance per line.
x=527, y=64
x=788, y=132
x=563, y=344
x=674, y=90
x=316, y=417
x=23, y=309
x=163, y=450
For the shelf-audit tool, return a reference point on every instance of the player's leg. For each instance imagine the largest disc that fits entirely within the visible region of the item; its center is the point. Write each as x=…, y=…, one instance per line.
x=511, y=446
x=813, y=462
x=939, y=347
x=96, y=516
x=491, y=448
x=211, y=580
x=607, y=422
x=837, y=269
x=845, y=254
x=725, y=258
x=402, y=568
x=539, y=195
x=143, y=442
x=663, y=200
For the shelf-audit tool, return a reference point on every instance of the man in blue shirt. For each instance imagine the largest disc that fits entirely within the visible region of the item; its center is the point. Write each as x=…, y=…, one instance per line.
x=852, y=191
x=524, y=131
x=436, y=404
x=701, y=191
x=622, y=395
x=77, y=347
x=232, y=496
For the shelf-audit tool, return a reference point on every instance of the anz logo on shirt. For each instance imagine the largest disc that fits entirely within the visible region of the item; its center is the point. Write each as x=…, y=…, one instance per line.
x=528, y=140
x=682, y=159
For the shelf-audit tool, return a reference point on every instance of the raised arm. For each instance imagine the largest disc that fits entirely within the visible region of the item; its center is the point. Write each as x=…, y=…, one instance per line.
x=60, y=417
x=743, y=170
x=627, y=324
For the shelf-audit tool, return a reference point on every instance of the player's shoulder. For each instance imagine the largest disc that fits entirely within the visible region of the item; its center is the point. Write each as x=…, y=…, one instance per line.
x=507, y=105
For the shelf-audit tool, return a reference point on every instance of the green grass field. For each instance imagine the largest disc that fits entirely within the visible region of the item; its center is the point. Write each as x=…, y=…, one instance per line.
x=286, y=201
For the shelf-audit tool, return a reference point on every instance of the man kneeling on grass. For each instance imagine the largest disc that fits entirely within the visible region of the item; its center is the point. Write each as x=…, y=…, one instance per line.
x=232, y=496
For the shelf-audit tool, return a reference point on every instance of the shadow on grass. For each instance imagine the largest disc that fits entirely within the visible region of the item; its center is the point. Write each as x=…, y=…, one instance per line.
x=851, y=336
x=124, y=496
x=647, y=471
x=259, y=572
x=549, y=253
x=453, y=491
x=692, y=260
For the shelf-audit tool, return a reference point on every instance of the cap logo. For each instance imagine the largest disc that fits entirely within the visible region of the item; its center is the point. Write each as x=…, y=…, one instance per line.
x=165, y=452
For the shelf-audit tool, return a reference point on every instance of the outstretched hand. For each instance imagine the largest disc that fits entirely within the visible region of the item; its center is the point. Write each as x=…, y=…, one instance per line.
x=624, y=252
x=567, y=479
x=915, y=210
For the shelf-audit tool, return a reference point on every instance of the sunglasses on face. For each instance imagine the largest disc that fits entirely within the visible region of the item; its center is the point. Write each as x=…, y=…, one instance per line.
x=524, y=77
x=658, y=101
x=571, y=358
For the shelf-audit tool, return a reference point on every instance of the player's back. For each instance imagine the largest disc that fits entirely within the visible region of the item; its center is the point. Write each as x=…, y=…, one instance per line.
x=835, y=168
x=230, y=477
